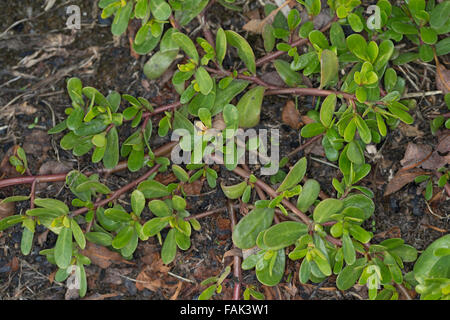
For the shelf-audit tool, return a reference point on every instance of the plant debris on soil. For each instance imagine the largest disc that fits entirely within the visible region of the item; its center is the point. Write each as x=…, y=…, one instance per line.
x=39, y=54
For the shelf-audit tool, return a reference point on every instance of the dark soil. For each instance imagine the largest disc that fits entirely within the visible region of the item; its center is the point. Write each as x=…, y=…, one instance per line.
x=32, y=90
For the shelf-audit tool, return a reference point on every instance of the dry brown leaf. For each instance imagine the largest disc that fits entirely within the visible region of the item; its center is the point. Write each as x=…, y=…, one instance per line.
x=443, y=78
x=444, y=144
x=153, y=261
x=177, y=291
x=321, y=20
x=410, y=131
x=51, y=277
x=115, y=276
x=416, y=153
x=253, y=14
x=257, y=25
x=393, y=232
x=306, y=120
x=159, y=266
x=6, y=169
x=254, y=26
x=14, y=264
x=316, y=148
x=435, y=161
x=144, y=281
x=42, y=237
x=223, y=224
x=194, y=188
x=6, y=209
x=53, y=167
x=37, y=144
x=291, y=116
x=101, y=256
x=437, y=198
x=166, y=178
x=401, y=179
x=274, y=79
x=97, y=296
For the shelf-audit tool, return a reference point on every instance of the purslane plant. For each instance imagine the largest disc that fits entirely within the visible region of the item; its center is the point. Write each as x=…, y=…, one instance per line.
x=352, y=111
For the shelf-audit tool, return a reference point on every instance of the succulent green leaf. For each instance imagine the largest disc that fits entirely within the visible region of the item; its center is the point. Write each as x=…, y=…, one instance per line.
x=294, y=176
x=249, y=107
x=247, y=230
x=186, y=45
x=169, y=248
x=308, y=195
x=63, y=248
x=245, y=51
x=158, y=64
x=284, y=234
x=325, y=210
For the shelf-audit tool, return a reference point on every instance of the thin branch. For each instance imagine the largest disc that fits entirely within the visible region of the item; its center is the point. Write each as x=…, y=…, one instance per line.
x=303, y=146
x=162, y=109
x=206, y=213
x=308, y=92
x=403, y=290
x=32, y=194
x=62, y=176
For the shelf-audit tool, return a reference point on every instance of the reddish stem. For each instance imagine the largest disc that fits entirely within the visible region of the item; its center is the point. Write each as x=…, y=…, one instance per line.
x=206, y=213
x=62, y=176
x=274, y=90
x=308, y=92
x=303, y=146
x=162, y=109
x=144, y=124
x=32, y=194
